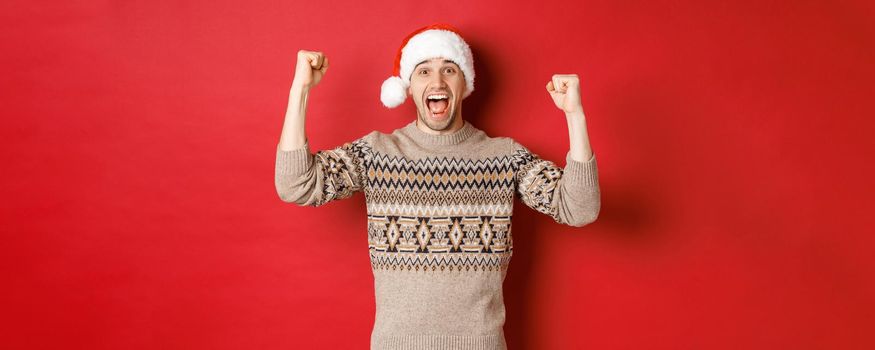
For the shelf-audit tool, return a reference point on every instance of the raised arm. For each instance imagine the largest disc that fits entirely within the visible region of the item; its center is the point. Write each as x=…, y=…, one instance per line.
x=303, y=177
x=309, y=70
x=569, y=195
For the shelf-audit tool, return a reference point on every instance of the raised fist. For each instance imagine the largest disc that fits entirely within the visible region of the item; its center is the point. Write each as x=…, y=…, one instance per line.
x=565, y=91
x=310, y=68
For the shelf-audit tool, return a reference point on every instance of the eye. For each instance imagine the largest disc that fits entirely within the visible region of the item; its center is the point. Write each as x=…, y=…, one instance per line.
x=423, y=71
x=451, y=70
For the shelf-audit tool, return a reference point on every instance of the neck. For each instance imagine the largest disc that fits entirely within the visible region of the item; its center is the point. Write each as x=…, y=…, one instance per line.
x=457, y=124
x=446, y=137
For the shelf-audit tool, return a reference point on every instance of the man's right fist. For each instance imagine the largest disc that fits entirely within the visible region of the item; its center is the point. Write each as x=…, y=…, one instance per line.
x=310, y=68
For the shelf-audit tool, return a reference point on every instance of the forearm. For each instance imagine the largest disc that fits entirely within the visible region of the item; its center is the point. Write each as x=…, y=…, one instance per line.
x=293, y=134
x=578, y=138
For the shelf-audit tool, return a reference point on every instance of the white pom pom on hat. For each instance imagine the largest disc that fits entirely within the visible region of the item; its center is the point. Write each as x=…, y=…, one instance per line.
x=393, y=92
x=432, y=41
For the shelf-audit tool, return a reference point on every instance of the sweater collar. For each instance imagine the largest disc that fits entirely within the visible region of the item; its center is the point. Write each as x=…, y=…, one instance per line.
x=453, y=138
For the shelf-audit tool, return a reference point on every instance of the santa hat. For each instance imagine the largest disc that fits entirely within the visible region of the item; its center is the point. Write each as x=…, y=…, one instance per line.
x=436, y=40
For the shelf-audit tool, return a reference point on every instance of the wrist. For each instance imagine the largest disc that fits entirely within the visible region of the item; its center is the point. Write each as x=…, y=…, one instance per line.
x=301, y=88
x=575, y=114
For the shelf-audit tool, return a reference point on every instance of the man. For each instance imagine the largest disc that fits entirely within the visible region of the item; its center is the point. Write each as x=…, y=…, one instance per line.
x=439, y=193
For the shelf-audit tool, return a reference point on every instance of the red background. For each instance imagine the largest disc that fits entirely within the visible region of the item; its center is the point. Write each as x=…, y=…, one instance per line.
x=732, y=138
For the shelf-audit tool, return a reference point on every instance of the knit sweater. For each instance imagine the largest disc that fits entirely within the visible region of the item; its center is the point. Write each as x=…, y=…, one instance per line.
x=439, y=211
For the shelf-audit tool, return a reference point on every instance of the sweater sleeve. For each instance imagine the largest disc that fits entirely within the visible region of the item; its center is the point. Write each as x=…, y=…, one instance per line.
x=569, y=195
x=309, y=179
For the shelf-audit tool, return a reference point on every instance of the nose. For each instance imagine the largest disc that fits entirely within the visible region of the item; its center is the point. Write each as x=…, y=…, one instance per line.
x=438, y=81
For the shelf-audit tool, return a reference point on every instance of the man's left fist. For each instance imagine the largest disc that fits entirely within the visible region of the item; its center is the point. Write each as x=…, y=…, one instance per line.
x=565, y=91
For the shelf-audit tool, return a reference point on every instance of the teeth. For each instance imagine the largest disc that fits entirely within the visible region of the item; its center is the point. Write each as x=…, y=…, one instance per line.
x=436, y=97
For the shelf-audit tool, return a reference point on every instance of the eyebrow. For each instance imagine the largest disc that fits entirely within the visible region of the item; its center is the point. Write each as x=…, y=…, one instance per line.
x=445, y=61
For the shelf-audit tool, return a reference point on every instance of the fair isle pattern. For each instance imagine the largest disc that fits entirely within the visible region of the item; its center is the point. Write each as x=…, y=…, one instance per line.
x=440, y=173
x=430, y=262
x=342, y=170
x=537, y=179
x=439, y=186
x=439, y=231
x=479, y=243
x=439, y=214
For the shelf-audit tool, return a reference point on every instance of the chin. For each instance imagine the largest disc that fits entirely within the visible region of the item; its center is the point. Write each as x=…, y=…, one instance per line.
x=438, y=125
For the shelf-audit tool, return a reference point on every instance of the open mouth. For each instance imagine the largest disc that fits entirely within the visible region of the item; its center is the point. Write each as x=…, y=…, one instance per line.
x=437, y=105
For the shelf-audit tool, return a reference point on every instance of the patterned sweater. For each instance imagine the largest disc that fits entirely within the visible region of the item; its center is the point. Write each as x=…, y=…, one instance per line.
x=439, y=211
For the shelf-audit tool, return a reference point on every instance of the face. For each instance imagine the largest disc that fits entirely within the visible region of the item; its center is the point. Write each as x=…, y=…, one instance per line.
x=444, y=81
